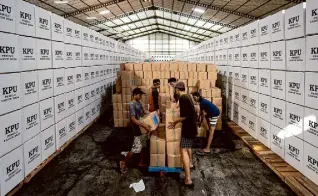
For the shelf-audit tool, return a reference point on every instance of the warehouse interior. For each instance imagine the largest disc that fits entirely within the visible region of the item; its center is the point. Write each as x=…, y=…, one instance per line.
x=68, y=70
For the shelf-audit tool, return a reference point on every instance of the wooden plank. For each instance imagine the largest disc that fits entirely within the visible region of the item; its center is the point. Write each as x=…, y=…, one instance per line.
x=298, y=188
x=308, y=184
x=15, y=190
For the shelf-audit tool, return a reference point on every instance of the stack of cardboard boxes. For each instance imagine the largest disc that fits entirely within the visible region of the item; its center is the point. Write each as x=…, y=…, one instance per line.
x=164, y=142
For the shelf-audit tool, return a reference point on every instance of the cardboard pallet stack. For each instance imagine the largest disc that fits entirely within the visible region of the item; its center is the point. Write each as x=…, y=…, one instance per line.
x=164, y=142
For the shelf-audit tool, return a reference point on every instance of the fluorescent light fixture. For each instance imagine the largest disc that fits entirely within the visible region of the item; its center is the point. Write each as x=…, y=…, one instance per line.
x=60, y=1
x=198, y=10
x=90, y=17
x=104, y=12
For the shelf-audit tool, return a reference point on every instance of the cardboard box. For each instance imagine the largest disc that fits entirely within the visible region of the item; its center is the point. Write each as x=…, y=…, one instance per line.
x=48, y=142
x=203, y=75
x=253, y=56
x=173, y=148
x=30, y=121
x=12, y=170
x=237, y=57
x=78, y=77
x=58, y=52
x=278, y=55
x=77, y=60
x=172, y=134
x=244, y=57
x=311, y=126
x=68, y=55
x=264, y=107
x=252, y=125
x=192, y=89
x=118, y=123
x=156, y=74
x=244, y=99
x=201, y=67
x=151, y=119
x=10, y=98
x=164, y=66
x=183, y=67
x=32, y=154
x=193, y=75
x=8, y=22
x=130, y=67
x=175, y=75
x=278, y=112
x=174, y=160
x=278, y=79
x=59, y=81
x=86, y=56
x=42, y=23
x=79, y=120
x=184, y=75
x=205, y=84
x=46, y=83
x=43, y=54
x=155, y=66
x=295, y=115
x=27, y=53
x=174, y=67
x=10, y=55
x=217, y=101
x=296, y=54
x=57, y=28
x=278, y=141
x=253, y=102
x=71, y=126
x=311, y=17
x=253, y=79
x=295, y=87
x=87, y=78
x=126, y=107
x=25, y=19
x=157, y=160
x=11, y=131
x=264, y=30
x=158, y=143
x=61, y=133
x=79, y=99
x=211, y=68
x=117, y=98
x=148, y=75
x=244, y=82
x=311, y=90
x=264, y=52
x=295, y=21
x=212, y=76
x=70, y=103
x=70, y=79
x=60, y=107
x=311, y=53
x=294, y=151
x=264, y=81
x=206, y=93
x=146, y=66
x=118, y=114
x=264, y=132
x=277, y=24
x=310, y=169
x=30, y=87
x=47, y=113
x=139, y=74
x=88, y=114
x=138, y=66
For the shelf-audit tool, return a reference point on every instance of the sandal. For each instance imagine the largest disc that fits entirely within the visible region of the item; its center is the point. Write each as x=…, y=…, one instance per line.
x=201, y=152
x=123, y=169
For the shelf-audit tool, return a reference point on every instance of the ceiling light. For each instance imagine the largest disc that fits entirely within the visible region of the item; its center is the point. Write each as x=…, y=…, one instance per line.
x=104, y=12
x=90, y=17
x=198, y=10
x=146, y=0
x=60, y=1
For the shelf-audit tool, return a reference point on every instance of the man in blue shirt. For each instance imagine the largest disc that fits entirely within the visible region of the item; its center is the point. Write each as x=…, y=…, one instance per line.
x=211, y=113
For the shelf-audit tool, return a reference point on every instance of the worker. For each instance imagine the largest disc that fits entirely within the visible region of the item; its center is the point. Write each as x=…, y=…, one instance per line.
x=210, y=113
x=172, y=82
x=154, y=98
x=140, y=140
x=188, y=118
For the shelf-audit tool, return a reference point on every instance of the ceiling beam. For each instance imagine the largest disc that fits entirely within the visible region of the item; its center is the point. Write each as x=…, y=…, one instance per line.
x=208, y=36
x=154, y=8
x=159, y=17
x=219, y=9
x=92, y=8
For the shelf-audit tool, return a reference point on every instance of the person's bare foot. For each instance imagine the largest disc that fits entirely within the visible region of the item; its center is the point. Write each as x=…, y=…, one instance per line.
x=206, y=150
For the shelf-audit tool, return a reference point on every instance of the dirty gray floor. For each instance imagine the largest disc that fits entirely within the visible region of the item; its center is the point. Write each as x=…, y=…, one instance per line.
x=87, y=168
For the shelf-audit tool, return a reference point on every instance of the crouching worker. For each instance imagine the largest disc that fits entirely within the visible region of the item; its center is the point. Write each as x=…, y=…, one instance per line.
x=210, y=113
x=140, y=140
x=154, y=98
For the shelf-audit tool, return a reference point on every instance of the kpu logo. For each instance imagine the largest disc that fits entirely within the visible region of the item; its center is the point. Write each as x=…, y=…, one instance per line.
x=263, y=54
x=58, y=53
x=253, y=103
x=278, y=111
x=277, y=53
x=27, y=51
x=60, y=106
x=277, y=139
x=295, y=52
x=5, y=8
x=251, y=125
x=25, y=16
x=314, y=50
x=312, y=161
x=313, y=124
x=13, y=166
x=46, y=82
x=34, y=151
x=264, y=106
x=293, y=149
x=43, y=21
x=294, y=117
x=45, y=52
x=264, y=80
x=293, y=20
x=313, y=87
x=276, y=25
x=47, y=111
x=294, y=85
x=264, y=29
x=314, y=12
x=62, y=131
x=7, y=49
x=57, y=26
x=278, y=82
x=263, y=131
x=32, y=118
x=12, y=128
x=29, y=85
x=10, y=89
x=49, y=140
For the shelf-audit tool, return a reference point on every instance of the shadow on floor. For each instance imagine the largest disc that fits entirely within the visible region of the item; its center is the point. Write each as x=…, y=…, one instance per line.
x=89, y=167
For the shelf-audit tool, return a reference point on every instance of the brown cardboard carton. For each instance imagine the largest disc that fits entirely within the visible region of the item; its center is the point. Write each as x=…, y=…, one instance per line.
x=146, y=82
x=137, y=82
x=118, y=106
x=126, y=115
x=127, y=75
x=126, y=98
x=192, y=82
x=212, y=75
x=201, y=131
x=127, y=66
x=164, y=98
x=157, y=160
x=156, y=74
x=164, y=89
x=173, y=148
x=164, y=81
x=158, y=143
x=172, y=105
x=162, y=108
x=211, y=68
x=145, y=106
x=201, y=67
x=192, y=67
x=193, y=75
x=183, y=67
x=173, y=135
x=126, y=91
x=164, y=66
x=162, y=127
x=155, y=66
x=145, y=99
x=219, y=125
x=175, y=75
x=163, y=118
x=126, y=123
x=138, y=66
x=206, y=84
x=184, y=75
x=216, y=92
x=165, y=74
x=146, y=66
x=206, y=93
x=174, y=67
x=203, y=75
x=117, y=98
x=217, y=101
x=139, y=74
x=118, y=123
x=151, y=119
x=127, y=83
x=174, y=160
x=148, y=75
x=126, y=107
x=192, y=89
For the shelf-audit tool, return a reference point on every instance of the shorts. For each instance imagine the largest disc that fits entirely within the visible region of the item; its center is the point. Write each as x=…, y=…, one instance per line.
x=212, y=121
x=186, y=142
x=139, y=143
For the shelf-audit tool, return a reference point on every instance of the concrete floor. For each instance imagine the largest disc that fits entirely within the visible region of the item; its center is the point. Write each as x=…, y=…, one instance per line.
x=89, y=167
